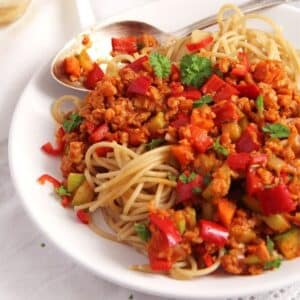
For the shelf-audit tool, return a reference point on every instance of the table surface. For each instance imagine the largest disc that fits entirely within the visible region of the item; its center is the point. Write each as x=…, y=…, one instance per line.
x=31, y=267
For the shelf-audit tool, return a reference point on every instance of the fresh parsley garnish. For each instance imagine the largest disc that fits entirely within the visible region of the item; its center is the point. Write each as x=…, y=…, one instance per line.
x=154, y=143
x=186, y=179
x=260, y=104
x=207, y=179
x=273, y=264
x=142, y=231
x=270, y=245
x=172, y=177
x=197, y=190
x=219, y=148
x=195, y=70
x=62, y=191
x=160, y=64
x=73, y=121
x=277, y=130
x=206, y=99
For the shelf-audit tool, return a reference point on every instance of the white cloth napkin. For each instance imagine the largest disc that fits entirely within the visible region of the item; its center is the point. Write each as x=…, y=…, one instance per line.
x=31, y=267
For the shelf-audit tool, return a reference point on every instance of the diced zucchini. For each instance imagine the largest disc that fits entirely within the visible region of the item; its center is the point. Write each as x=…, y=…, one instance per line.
x=157, y=122
x=288, y=243
x=85, y=61
x=243, y=236
x=243, y=122
x=74, y=181
x=190, y=217
x=180, y=221
x=277, y=222
x=181, y=225
x=252, y=260
x=83, y=194
x=233, y=129
x=252, y=203
x=275, y=163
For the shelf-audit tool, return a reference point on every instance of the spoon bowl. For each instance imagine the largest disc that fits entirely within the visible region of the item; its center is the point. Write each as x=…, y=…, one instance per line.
x=101, y=46
x=101, y=37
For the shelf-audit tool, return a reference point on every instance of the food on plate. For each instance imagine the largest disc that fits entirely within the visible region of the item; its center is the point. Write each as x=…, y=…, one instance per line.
x=190, y=151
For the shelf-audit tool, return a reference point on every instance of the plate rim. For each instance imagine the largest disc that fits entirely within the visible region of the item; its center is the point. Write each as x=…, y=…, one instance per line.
x=263, y=288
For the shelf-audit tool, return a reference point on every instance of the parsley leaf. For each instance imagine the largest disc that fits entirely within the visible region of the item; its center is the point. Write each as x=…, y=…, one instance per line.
x=154, y=143
x=62, y=191
x=277, y=130
x=197, y=190
x=142, y=231
x=172, y=177
x=186, y=179
x=206, y=99
x=270, y=245
x=207, y=179
x=273, y=264
x=160, y=64
x=195, y=70
x=219, y=148
x=73, y=121
x=260, y=104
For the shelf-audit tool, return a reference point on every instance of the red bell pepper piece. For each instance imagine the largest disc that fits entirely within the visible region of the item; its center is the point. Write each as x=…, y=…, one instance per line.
x=48, y=178
x=90, y=127
x=207, y=259
x=124, y=45
x=213, y=84
x=137, y=65
x=238, y=161
x=253, y=183
x=83, y=216
x=191, y=93
x=225, y=112
x=200, y=139
x=158, y=264
x=95, y=75
x=225, y=92
x=182, y=119
x=248, y=90
x=102, y=151
x=241, y=68
x=48, y=147
x=276, y=200
x=167, y=227
x=219, y=89
x=65, y=201
x=249, y=140
x=259, y=159
x=175, y=73
x=184, y=191
x=213, y=233
x=192, y=47
x=139, y=86
x=99, y=134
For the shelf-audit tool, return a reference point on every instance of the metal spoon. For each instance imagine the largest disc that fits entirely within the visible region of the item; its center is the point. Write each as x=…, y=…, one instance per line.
x=102, y=34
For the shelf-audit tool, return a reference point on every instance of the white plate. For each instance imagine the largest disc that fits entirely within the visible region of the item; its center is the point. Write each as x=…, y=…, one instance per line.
x=32, y=126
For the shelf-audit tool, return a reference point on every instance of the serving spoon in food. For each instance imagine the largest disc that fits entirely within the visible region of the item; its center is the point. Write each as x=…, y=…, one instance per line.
x=101, y=35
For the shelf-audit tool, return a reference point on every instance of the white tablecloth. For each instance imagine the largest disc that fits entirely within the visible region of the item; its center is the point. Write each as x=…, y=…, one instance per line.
x=31, y=267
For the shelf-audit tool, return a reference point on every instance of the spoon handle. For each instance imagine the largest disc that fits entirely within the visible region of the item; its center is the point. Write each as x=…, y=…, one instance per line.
x=85, y=13
x=247, y=7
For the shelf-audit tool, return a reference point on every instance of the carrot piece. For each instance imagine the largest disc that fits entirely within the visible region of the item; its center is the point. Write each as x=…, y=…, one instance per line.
x=226, y=210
